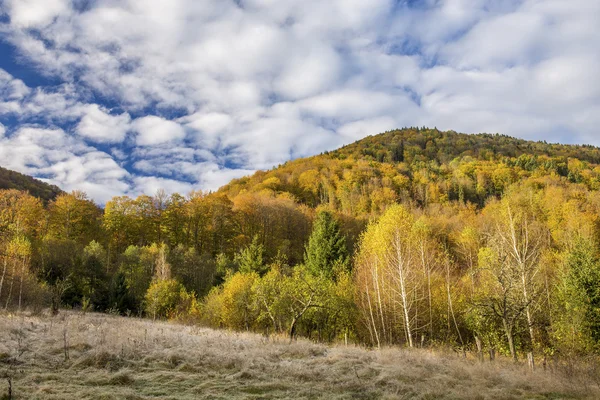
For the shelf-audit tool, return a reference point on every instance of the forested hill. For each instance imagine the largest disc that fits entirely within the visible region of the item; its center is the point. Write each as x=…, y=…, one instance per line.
x=423, y=166
x=422, y=144
x=14, y=180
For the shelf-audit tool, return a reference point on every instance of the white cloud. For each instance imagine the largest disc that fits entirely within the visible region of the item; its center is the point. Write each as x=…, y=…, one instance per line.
x=63, y=160
x=153, y=130
x=252, y=85
x=35, y=13
x=102, y=127
x=309, y=72
x=359, y=129
x=150, y=185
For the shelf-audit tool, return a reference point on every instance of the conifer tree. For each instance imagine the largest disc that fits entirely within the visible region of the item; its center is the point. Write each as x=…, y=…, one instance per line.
x=326, y=249
x=250, y=259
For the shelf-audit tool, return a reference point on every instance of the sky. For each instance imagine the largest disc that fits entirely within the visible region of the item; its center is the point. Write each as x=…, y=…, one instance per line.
x=123, y=97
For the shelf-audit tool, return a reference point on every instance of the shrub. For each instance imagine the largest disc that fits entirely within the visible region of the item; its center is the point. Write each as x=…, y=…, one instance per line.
x=163, y=297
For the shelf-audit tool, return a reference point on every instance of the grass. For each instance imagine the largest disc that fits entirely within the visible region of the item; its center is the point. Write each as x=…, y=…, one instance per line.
x=94, y=356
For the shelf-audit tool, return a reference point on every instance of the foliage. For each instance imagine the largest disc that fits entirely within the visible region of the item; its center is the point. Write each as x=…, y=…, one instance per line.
x=326, y=248
x=250, y=259
x=163, y=297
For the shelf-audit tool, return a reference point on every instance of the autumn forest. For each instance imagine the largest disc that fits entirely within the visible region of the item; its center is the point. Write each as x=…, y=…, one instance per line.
x=414, y=237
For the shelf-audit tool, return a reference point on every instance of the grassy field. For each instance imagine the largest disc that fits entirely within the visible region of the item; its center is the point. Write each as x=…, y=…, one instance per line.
x=93, y=356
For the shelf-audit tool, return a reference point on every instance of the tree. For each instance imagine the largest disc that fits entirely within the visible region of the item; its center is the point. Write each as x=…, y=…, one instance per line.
x=93, y=277
x=238, y=310
x=74, y=217
x=162, y=268
x=388, y=277
x=20, y=214
x=119, y=297
x=326, y=248
x=162, y=297
x=580, y=296
x=515, y=242
x=250, y=259
x=18, y=256
x=120, y=223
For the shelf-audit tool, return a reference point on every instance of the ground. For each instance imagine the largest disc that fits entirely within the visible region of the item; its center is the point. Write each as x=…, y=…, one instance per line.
x=95, y=356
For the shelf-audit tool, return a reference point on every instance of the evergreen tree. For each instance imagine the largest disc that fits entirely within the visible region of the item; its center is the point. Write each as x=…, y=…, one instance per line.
x=583, y=279
x=398, y=152
x=250, y=259
x=120, y=298
x=326, y=249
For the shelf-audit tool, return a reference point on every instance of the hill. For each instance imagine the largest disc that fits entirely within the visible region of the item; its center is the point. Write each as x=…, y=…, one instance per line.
x=96, y=356
x=15, y=180
x=415, y=144
x=421, y=166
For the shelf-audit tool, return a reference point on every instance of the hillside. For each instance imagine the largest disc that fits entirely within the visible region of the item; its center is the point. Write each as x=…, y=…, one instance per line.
x=14, y=180
x=414, y=144
x=423, y=166
x=97, y=356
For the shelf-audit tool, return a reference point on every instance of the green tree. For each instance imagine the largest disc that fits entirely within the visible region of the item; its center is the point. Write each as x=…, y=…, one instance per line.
x=250, y=259
x=580, y=296
x=120, y=298
x=326, y=248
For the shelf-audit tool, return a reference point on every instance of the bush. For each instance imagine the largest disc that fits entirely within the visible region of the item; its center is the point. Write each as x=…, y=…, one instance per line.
x=163, y=298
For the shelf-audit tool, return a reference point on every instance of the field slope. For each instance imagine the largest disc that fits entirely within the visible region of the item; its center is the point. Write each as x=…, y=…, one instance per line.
x=94, y=356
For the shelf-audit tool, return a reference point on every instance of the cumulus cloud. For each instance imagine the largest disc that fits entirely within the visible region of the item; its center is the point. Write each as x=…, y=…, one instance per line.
x=153, y=130
x=35, y=13
x=100, y=126
x=64, y=160
x=214, y=89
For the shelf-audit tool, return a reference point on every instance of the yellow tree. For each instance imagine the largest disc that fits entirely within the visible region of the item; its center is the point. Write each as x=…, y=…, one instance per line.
x=119, y=221
x=17, y=257
x=388, y=275
x=515, y=242
x=20, y=213
x=74, y=217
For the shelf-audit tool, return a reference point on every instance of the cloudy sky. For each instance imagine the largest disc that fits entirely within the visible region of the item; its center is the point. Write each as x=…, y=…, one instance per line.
x=128, y=96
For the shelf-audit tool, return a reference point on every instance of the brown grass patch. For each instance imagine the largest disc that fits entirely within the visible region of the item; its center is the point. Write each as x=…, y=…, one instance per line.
x=125, y=358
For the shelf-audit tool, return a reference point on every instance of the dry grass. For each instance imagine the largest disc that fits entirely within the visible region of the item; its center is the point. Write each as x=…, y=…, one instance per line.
x=112, y=357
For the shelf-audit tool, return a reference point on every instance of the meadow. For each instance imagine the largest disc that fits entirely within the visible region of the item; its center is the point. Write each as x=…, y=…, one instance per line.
x=97, y=356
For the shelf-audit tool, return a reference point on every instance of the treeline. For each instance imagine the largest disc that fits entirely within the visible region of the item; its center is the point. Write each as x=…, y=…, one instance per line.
x=498, y=253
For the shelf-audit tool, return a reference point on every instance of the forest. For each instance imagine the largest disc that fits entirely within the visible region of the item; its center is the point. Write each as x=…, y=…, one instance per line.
x=414, y=237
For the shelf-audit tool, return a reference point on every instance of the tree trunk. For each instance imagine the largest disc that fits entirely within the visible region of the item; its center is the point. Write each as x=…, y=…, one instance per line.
x=509, y=337
x=292, y=329
x=479, y=349
x=10, y=288
x=379, y=303
x=528, y=311
x=376, y=334
x=21, y=282
x=3, y=274
x=405, y=310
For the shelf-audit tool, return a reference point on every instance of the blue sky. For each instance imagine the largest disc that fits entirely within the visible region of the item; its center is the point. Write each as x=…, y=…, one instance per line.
x=125, y=97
